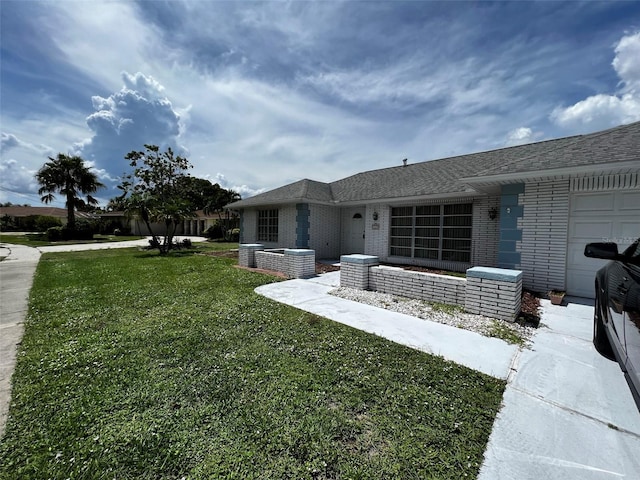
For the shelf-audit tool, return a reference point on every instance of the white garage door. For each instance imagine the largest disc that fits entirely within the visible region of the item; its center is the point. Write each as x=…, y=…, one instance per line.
x=612, y=216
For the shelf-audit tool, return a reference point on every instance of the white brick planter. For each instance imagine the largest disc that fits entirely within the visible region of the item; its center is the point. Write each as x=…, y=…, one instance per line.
x=247, y=254
x=492, y=292
x=354, y=270
x=292, y=262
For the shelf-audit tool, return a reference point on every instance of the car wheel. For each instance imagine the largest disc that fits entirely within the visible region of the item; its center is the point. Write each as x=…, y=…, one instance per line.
x=600, y=339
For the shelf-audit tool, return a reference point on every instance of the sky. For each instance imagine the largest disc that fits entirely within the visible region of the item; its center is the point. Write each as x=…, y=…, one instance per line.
x=261, y=94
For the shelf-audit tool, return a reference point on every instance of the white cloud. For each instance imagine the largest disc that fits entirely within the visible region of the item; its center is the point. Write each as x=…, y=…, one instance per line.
x=520, y=136
x=603, y=110
x=18, y=180
x=244, y=190
x=136, y=115
x=10, y=141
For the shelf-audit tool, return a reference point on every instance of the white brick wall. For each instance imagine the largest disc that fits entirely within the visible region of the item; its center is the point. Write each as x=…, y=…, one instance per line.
x=286, y=227
x=270, y=261
x=249, y=225
x=544, y=234
x=493, y=298
x=423, y=286
x=291, y=265
x=376, y=241
x=324, y=231
x=497, y=297
x=486, y=232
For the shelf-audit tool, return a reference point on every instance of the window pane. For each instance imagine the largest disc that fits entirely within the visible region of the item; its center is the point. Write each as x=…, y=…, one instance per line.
x=437, y=232
x=428, y=210
x=268, y=225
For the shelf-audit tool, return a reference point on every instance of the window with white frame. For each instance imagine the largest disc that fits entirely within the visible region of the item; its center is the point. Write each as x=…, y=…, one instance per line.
x=268, y=225
x=432, y=232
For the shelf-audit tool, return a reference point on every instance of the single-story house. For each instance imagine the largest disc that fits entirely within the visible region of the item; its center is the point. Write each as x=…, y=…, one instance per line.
x=19, y=214
x=193, y=226
x=531, y=207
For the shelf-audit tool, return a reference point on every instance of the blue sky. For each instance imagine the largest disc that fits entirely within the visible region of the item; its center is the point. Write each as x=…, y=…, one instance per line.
x=260, y=94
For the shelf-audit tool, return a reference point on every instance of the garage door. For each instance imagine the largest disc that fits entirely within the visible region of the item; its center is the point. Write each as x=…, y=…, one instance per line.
x=598, y=217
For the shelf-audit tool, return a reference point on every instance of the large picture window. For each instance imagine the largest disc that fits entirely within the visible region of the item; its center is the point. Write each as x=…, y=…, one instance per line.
x=433, y=232
x=268, y=225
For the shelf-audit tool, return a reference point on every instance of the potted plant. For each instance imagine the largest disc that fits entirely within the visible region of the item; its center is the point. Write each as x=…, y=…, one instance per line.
x=556, y=297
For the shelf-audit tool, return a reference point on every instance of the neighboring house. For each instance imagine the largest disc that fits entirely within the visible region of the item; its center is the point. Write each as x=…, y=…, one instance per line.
x=531, y=207
x=193, y=226
x=20, y=214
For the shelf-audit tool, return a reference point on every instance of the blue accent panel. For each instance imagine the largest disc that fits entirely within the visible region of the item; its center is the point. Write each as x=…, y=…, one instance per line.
x=513, y=189
x=302, y=225
x=509, y=199
x=514, y=235
x=508, y=222
x=501, y=274
x=507, y=246
x=508, y=259
x=510, y=234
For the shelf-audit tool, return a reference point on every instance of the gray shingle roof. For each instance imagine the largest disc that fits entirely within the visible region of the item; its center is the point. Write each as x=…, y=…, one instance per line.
x=302, y=190
x=616, y=145
x=453, y=175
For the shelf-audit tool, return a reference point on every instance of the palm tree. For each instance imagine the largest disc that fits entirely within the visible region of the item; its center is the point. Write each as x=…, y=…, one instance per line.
x=70, y=177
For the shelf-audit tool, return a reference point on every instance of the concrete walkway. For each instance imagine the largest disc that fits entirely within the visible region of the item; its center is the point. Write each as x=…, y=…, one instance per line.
x=16, y=277
x=487, y=355
x=567, y=412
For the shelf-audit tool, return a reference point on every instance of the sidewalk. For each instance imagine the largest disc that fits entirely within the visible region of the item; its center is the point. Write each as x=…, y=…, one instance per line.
x=16, y=277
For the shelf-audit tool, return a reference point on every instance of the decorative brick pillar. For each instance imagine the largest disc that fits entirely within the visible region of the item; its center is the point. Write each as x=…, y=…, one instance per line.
x=247, y=254
x=354, y=270
x=494, y=292
x=299, y=262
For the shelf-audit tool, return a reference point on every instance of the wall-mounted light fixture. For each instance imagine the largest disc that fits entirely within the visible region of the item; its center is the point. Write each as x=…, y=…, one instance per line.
x=493, y=213
x=375, y=216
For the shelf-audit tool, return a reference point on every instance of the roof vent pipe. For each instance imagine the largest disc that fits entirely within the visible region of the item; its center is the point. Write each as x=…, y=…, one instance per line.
x=404, y=162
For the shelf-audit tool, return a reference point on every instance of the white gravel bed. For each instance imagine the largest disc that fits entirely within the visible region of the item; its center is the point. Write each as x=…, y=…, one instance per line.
x=418, y=308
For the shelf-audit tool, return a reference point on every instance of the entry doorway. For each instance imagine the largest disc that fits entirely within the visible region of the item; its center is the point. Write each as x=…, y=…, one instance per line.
x=355, y=232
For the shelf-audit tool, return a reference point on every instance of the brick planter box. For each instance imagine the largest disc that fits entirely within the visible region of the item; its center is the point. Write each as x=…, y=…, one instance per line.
x=292, y=262
x=492, y=292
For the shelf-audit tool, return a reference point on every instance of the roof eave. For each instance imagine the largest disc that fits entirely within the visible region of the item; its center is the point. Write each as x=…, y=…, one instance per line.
x=619, y=167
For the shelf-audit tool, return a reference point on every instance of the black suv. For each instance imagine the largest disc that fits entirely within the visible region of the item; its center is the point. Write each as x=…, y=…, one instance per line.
x=616, y=321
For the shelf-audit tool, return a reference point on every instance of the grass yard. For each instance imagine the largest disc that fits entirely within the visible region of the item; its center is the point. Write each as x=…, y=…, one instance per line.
x=40, y=239
x=135, y=365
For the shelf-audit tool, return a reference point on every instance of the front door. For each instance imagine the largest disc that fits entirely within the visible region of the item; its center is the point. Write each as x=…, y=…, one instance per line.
x=355, y=232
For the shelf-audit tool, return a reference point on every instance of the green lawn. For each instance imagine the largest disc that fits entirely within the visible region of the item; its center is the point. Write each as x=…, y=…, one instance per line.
x=40, y=239
x=135, y=365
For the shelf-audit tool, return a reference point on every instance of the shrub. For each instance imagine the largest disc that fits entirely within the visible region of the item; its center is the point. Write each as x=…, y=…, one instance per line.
x=84, y=230
x=55, y=233
x=43, y=223
x=186, y=243
x=214, y=232
x=233, y=235
x=7, y=224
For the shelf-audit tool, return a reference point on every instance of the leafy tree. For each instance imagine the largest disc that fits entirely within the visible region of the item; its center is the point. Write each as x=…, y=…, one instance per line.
x=69, y=176
x=155, y=192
